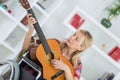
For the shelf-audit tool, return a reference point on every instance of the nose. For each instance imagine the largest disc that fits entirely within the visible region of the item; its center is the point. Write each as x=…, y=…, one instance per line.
x=72, y=37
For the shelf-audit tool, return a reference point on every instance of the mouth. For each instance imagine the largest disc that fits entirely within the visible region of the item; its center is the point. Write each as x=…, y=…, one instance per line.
x=68, y=40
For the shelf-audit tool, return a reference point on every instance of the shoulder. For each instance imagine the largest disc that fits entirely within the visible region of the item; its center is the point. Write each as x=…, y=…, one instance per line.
x=79, y=66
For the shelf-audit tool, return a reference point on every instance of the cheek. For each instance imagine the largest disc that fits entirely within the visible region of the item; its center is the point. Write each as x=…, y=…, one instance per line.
x=69, y=44
x=72, y=44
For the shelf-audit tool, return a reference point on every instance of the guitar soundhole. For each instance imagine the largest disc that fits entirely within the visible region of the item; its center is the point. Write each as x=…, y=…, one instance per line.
x=51, y=55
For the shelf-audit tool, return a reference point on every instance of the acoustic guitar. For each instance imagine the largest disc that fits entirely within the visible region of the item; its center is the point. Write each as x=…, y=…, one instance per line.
x=47, y=50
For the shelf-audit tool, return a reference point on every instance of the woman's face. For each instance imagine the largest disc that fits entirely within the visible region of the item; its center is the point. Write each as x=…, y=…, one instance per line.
x=75, y=41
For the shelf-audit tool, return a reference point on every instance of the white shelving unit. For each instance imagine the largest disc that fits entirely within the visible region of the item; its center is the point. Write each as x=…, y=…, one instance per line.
x=12, y=32
x=104, y=14
x=98, y=64
x=95, y=28
x=95, y=59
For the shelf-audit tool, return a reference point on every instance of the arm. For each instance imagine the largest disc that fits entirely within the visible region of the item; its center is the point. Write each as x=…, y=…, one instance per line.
x=68, y=75
x=27, y=39
x=58, y=64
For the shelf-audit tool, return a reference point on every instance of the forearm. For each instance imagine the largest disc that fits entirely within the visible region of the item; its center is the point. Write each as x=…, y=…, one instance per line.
x=27, y=39
x=68, y=75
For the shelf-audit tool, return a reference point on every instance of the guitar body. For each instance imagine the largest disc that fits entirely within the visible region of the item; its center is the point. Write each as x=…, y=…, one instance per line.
x=48, y=70
x=33, y=54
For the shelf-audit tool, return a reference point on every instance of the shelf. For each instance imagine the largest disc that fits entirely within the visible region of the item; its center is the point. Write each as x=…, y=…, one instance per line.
x=4, y=52
x=102, y=37
x=15, y=39
x=107, y=57
x=100, y=26
x=68, y=19
x=6, y=26
x=32, y=2
x=40, y=8
x=115, y=24
x=50, y=5
x=117, y=77
x=39, y=15
x=94, y=60
x=4, y=11
x=16, y=9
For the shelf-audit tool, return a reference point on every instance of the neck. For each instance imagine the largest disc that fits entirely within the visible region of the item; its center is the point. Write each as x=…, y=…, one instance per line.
x=66, y=52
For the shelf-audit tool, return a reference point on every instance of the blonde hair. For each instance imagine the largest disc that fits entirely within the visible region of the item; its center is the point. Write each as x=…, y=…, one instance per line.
x=88, y=40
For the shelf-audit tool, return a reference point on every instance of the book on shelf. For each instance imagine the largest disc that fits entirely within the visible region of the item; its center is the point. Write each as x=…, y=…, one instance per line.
x=113, y=49
x=77, y=21
x=115, y=53
x=107, y=76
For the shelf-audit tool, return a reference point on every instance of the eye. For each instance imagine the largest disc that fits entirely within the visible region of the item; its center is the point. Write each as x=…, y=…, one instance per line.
x=73, y=34
x=77, y=39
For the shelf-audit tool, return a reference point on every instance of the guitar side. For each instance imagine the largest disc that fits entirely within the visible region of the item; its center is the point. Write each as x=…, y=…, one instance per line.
x=48, y=70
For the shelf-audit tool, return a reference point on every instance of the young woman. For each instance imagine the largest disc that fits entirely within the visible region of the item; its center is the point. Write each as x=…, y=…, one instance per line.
x=70, y=49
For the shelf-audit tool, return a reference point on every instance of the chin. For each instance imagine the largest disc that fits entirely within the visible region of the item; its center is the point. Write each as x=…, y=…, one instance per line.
x=67, y=43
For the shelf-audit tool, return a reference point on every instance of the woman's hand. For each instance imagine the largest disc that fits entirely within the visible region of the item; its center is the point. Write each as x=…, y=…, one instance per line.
x=59, y=64
x=31, y=20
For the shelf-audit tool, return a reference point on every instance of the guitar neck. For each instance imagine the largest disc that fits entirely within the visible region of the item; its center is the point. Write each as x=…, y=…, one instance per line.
x=40, y=32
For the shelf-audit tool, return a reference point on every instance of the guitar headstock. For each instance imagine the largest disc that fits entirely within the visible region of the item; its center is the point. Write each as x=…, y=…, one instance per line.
x=25, y=4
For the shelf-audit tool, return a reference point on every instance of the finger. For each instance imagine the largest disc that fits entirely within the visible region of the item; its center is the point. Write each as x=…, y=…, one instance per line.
x=60, y=59
x=33, y=22
x=56, y=67
x=53, y=62
x=29, y=15
x=31, y=18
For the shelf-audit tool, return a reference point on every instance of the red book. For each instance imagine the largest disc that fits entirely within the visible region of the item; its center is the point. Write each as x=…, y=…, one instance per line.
x=80, y=23
x=118, y=58
x=114, y=49
x=77, y=21
x=77, y=17
x=116, y=55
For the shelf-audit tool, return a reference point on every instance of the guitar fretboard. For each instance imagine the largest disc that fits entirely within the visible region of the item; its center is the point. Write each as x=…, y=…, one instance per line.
x=40, y=33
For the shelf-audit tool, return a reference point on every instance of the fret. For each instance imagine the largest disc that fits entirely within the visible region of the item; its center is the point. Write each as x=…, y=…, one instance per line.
x=40, y=33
